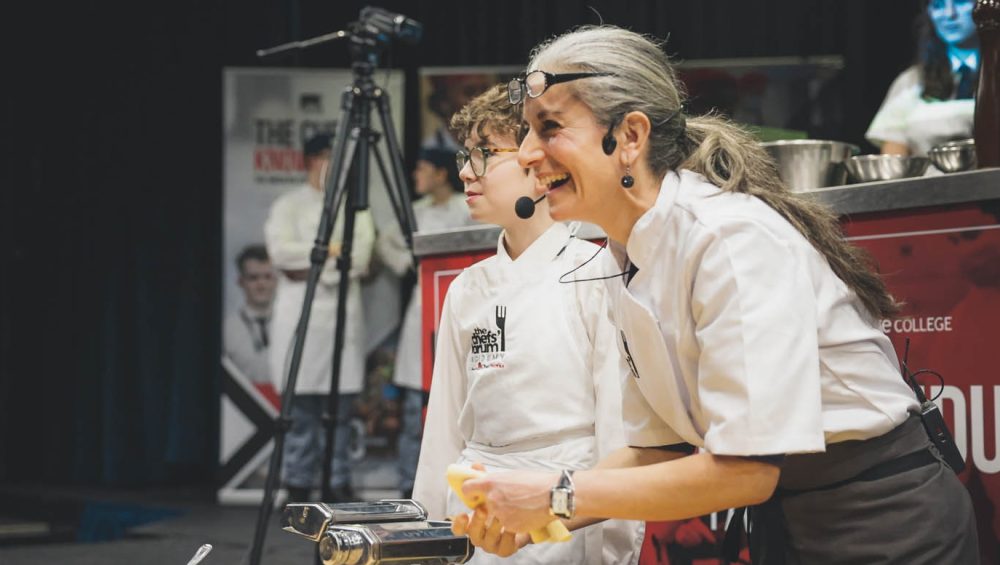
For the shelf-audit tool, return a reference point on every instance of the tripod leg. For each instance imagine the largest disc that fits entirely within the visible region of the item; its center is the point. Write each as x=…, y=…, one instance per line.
x=357, y=199
x=396, y=160
x=397, y=209
x=342, y=147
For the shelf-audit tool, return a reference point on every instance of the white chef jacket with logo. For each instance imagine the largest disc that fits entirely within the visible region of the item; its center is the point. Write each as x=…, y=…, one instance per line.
x=290, y=232
x=526, y=377
x=744, y=342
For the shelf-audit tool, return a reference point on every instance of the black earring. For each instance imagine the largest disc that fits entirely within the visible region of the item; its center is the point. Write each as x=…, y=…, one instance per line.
x=627, y=180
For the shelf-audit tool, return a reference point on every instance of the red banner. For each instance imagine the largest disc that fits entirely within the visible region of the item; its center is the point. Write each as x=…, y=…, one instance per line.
x=944, y=264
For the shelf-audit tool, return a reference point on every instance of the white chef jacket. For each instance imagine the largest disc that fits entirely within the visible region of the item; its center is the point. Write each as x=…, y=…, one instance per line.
x=245, y=344
x=906, y=117
x=524, y=379
x=290, y=231
x=742, y=339
x=430, y=217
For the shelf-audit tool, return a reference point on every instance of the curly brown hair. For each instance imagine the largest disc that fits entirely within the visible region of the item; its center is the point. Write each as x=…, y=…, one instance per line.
x=490, y=110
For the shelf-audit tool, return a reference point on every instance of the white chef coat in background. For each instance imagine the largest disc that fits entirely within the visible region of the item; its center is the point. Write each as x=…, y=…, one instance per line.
x=906, y=117
x=524, y=378
x=744, y=340
x=290, y=231
x=430, y=217
x=247, y=344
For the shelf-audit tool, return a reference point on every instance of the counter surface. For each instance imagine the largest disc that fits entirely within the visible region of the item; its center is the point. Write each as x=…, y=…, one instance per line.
x=955, y=188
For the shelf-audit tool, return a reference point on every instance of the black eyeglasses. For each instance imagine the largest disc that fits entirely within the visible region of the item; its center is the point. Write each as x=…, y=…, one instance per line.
x=477, y=157
x=533, y=84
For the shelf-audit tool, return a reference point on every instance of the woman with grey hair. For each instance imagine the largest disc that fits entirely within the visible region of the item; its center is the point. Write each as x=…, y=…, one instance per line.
x=757, y=373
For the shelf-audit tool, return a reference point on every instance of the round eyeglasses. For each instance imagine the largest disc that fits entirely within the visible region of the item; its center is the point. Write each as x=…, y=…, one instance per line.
x=477, y=156
x=533, y=84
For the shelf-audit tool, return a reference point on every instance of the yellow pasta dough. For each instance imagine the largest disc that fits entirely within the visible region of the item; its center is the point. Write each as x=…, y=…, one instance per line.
x=555, y=531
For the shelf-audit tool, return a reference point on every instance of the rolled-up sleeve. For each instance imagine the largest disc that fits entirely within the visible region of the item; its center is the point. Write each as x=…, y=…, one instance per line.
x=754, y=311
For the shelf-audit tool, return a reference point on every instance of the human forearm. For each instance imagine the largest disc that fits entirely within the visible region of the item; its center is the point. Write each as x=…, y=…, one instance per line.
x=895, y=148
x=636, y=457
x=672, y=490
x=619, y=459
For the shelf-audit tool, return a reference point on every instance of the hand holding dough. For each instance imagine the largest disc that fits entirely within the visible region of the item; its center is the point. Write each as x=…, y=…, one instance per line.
x=457, y=474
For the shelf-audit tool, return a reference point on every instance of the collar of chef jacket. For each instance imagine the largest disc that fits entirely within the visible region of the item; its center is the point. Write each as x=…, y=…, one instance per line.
x=649, y=228
x=539, y=255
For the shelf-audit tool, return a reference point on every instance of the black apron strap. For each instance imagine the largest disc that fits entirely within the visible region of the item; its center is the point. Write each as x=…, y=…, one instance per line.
x=765, y=534
x=734, y=536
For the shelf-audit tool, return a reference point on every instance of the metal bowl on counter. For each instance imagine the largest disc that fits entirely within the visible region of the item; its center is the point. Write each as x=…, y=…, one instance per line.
x=954, y=156
x=868, y=168
x=808, y=164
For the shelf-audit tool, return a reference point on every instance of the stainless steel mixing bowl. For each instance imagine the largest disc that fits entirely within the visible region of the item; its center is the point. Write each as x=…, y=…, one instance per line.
x=954, y=156
x=808, y=164
x=868, y=168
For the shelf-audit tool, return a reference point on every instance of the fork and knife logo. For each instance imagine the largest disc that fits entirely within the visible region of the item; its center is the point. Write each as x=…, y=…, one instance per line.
x=501, y=320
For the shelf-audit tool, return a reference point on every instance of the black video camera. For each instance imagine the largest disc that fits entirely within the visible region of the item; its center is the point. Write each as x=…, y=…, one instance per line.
x=384, y=26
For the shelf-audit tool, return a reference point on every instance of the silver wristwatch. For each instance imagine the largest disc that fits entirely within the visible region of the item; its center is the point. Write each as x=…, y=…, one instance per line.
x=561, y=502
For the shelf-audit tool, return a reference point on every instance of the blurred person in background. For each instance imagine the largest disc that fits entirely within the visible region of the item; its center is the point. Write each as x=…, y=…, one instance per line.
x=440, y=206
x=449, y=94
x=246, y=333
x=932, y=102
x=290, y=231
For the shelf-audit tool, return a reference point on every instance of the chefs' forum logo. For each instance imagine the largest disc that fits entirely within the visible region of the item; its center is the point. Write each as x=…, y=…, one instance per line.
x=489, y=346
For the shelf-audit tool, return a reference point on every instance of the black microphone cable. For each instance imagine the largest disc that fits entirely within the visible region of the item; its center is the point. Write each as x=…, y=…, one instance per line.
x=624, y=273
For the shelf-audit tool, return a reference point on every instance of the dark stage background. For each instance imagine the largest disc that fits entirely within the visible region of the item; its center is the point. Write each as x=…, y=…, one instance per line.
x=110, y=208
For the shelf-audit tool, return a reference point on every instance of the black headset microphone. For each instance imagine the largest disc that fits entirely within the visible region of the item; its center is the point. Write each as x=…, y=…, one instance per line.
x=525, y=206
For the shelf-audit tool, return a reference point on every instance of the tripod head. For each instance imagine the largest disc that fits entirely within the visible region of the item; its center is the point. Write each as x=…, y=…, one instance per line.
x=375, y=29
x=385, y=26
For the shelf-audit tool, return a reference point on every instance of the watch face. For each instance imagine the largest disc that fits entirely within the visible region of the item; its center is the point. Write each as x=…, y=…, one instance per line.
x=560, y=502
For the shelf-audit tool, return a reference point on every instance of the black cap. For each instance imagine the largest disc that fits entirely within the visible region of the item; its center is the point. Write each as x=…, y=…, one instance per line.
x=439, y=157
x=316, y=144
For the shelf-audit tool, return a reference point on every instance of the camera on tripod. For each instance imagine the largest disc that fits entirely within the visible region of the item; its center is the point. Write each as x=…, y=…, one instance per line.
x=374, y=30
x=385, y=26
x=364, y=534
